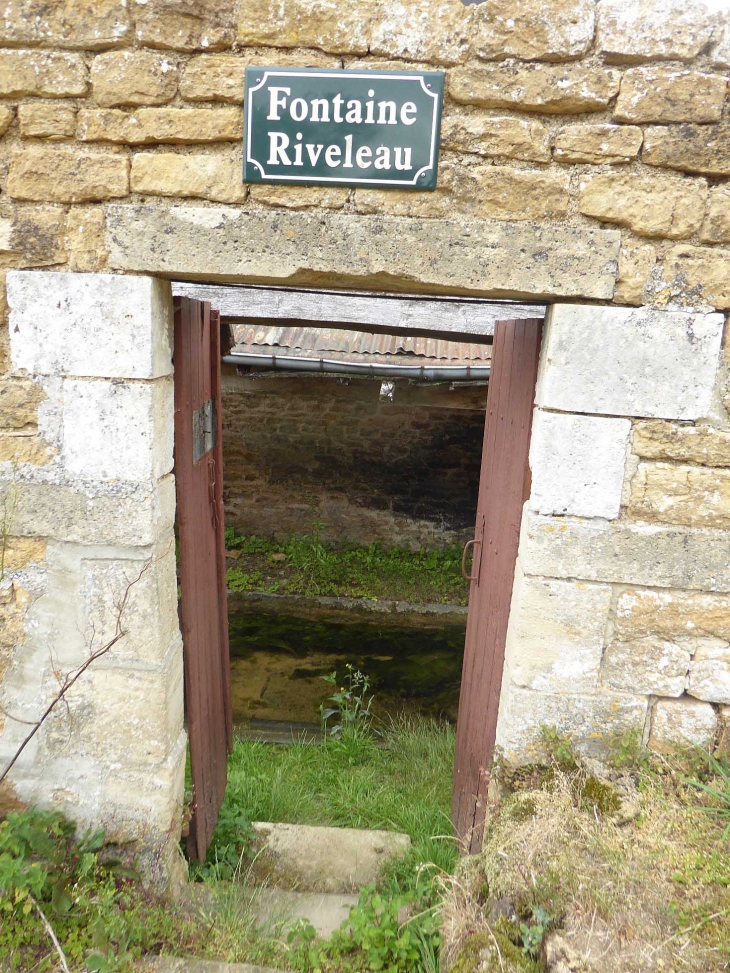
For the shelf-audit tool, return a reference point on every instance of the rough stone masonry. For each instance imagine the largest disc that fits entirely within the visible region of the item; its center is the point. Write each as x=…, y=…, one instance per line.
x=585, y=160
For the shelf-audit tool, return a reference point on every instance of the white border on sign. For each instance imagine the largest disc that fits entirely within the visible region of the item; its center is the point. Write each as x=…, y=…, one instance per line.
x=268, y=72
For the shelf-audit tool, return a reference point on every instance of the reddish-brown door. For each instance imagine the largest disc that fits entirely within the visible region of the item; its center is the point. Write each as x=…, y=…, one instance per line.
x=203, y=610
x=503, y=489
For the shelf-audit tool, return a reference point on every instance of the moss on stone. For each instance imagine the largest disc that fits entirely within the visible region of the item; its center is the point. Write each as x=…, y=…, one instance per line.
x=493, y=952
x=597, y=793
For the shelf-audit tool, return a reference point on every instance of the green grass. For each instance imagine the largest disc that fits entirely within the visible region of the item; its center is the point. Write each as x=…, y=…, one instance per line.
x=307, y=566
x=403, y=785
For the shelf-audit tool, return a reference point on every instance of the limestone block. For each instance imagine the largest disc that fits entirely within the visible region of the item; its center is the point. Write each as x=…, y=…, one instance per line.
x=12, y=616
x=150, y=125
x=119, y=514
x=674, y=494
x=681, y=722
x=549, y=88
x=21, y=449
x=299, y=197
x=721, y=51
x=469, y=130
x=716, y=228
x=121, y=716
x=709, y=671
x=35, y=236
x=397, y=202
x=592, y=721
x=555, y=635
x=46, y=121
x=220, y=77
x=655, y=94
x=556, y=30
x=22, y=551
x=326, y=24
x=85, y=239
x=653, y=30
x=691, y=148
x=149, y=621
x=661, y=364
x=144, y=803
x=113, y=430
x=504, y=193
x=577, y=464
x=656, y=205
x=133, y=78
x=215, y=177
x=704, y=271
x=41, y=173
x=42, y=74
x=186, y=25
x=86, y=25
x=597, y=144
x=682, y=443
x=650, y=665
x=6, y=119
x=635, y=263
x=497, y=258
x=676, y=615
x=436, y=31
x=624, y=552
x=19, y=401
x=92, y=325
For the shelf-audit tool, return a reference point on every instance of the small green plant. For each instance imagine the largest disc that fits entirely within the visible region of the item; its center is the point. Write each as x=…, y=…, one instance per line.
x=351, y=706
x=718, y=789
x=532, y=935
x=228, y=848
x=559, y=746
x=628, y=751
x=53, y=884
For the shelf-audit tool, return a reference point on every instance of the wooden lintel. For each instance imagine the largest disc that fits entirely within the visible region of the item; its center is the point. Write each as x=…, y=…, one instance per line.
x=448, y=317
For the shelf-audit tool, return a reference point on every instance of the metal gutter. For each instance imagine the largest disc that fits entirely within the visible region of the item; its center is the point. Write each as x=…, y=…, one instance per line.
x=331, y=366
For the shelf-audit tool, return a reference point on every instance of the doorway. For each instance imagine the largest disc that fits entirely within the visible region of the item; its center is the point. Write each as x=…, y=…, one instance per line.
x=503, y=482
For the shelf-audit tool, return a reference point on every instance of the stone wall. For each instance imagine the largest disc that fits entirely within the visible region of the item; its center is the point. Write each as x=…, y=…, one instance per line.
x=403, y=473
x=89, y=559
x=620, y=619
x=584, y=159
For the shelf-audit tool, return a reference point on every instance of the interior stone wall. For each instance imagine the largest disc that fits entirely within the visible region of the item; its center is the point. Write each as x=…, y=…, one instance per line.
x=403, y=472
x=92, y=563
x=584, y=159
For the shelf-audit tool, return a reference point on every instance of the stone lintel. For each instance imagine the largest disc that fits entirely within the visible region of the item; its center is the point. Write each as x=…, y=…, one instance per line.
x=448, y=256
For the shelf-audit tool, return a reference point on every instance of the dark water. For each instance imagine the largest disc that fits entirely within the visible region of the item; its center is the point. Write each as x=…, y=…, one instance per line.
x=278, y=660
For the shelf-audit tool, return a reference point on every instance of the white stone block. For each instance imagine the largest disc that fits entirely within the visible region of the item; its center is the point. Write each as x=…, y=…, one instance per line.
x=681, y=722
x=90, y=325
x=709, y=672
x=629, y=361
x=116, y=430
x=625, y=552
x=592, y=721
x=556, y=634
x=578, y=464
x=150, y=616
x=119, y=513
x=653, y=666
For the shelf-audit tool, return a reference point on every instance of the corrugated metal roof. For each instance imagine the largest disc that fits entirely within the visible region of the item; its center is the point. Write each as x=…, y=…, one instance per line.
x=354, y=345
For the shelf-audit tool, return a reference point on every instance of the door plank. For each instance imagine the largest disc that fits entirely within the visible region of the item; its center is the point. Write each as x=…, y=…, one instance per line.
x=203, y=618
x=502, y=492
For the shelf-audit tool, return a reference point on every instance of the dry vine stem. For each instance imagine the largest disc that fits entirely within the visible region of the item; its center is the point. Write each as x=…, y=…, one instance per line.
x=73, y=676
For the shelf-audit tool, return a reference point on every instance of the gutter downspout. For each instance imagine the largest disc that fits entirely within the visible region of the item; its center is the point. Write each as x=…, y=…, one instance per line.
x=331, y=366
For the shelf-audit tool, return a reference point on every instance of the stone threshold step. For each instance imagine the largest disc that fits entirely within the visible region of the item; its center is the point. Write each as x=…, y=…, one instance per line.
x=175, y=964
x=304, y=858
x=279, y=910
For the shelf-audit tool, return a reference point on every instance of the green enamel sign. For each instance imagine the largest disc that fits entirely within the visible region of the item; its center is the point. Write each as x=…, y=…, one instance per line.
x=342, y=128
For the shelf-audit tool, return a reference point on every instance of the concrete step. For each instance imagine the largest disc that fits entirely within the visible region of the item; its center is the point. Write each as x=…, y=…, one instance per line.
x=170, y=964
x=280, y=909
x=303, y=858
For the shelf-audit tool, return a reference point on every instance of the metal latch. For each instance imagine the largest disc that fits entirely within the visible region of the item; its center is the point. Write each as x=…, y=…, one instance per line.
x=205, y=430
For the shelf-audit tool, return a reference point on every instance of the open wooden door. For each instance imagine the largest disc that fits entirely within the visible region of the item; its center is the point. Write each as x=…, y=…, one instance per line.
x=200, y=524
x=503, y=489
